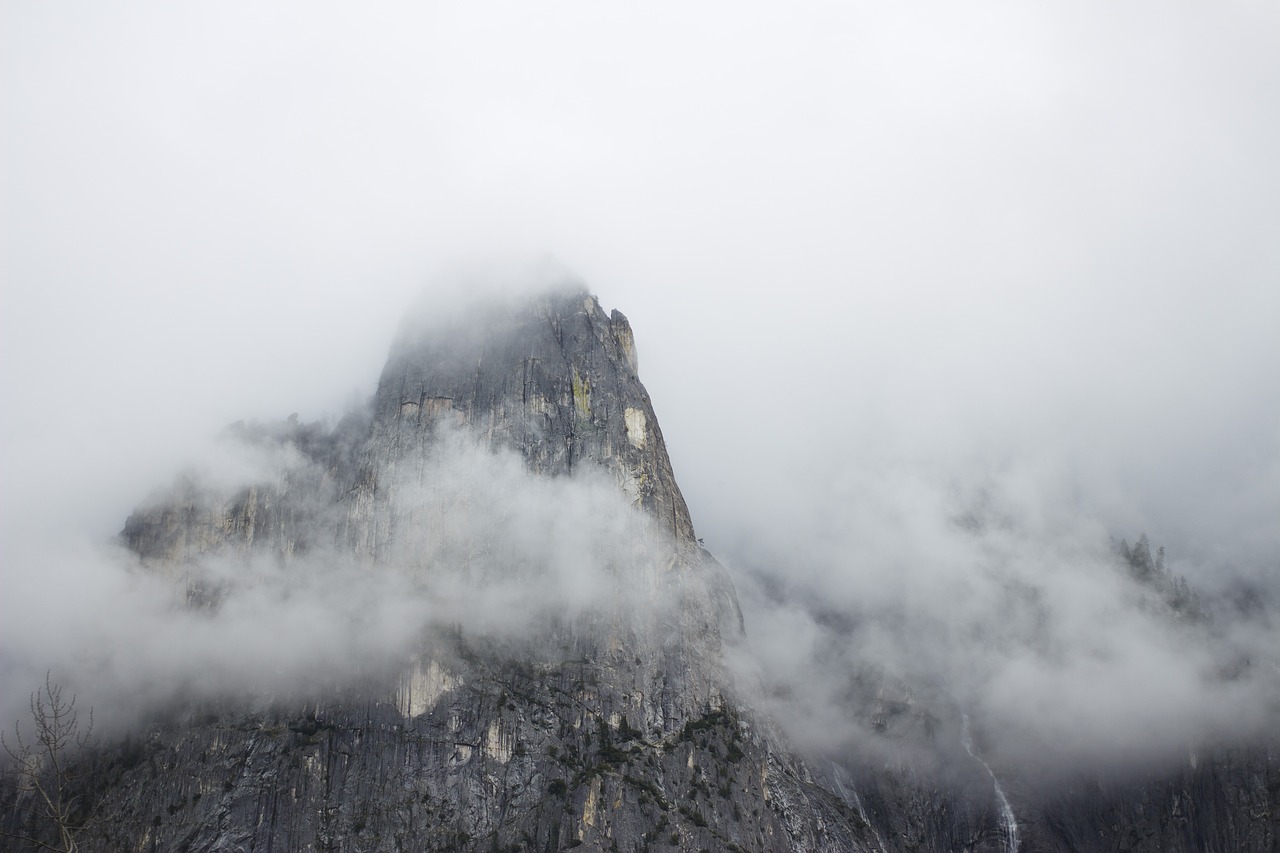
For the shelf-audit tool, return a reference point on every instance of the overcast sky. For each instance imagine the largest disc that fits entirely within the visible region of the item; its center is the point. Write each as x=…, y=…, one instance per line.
x=1029, y=242
x=887, y=264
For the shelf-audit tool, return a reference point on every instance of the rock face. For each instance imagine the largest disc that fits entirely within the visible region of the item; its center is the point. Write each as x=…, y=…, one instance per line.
x=554, y=380
x=614, y=728
x=609, y=725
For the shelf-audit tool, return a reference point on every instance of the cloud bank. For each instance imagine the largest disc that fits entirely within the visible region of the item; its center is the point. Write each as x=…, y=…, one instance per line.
x=483, y=548
x=909, y=601
x=878, y=260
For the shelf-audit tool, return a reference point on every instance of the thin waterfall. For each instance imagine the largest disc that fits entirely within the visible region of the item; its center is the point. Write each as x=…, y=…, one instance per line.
x=850, y=795
x=1006, y=810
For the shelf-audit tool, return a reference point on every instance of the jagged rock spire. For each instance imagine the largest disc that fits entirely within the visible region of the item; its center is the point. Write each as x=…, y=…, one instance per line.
x=552, y=377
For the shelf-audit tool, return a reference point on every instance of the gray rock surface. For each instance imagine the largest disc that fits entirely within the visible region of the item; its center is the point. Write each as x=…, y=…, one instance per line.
x=612, y=727
x=616, y=729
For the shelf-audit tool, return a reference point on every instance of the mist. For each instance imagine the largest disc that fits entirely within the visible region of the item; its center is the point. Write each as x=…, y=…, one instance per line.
x=890, y=270
x=909, y=601
x=486, y=551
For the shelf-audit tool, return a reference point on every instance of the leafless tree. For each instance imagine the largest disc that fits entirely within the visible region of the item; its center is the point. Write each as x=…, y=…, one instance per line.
x=51, y=767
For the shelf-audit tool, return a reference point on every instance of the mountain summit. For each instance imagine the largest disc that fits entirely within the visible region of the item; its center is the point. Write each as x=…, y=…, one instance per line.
x=538, y=707
x=474, y=616
x=553, y=378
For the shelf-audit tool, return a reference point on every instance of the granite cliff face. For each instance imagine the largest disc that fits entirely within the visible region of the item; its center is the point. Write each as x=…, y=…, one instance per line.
x=555, y=380
x=611, y=726
x=570, y=688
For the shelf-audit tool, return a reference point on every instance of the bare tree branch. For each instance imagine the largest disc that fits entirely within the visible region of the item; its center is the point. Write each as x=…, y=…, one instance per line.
x=50, y=766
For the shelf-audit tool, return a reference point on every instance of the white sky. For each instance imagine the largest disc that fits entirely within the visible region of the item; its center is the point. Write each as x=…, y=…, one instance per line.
x=1027, y=241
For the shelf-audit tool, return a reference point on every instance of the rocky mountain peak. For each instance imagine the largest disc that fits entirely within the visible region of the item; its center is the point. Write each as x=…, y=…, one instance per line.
x=552, y=377
x=525, y=648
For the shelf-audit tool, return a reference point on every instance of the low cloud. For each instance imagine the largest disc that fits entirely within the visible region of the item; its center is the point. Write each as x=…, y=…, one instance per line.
x=479, y=545
x=891, y=272
x=911, y=598
x=884, y=598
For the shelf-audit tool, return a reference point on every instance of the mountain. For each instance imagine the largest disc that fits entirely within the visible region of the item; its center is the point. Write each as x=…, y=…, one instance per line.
x=532, y=650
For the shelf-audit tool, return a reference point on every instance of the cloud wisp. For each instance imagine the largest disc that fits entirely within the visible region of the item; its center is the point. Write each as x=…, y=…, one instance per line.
x=214, y=610
x=911, y=600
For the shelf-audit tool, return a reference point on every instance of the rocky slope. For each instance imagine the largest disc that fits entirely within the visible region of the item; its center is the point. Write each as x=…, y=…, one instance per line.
x=612, y=727
x=601, y=720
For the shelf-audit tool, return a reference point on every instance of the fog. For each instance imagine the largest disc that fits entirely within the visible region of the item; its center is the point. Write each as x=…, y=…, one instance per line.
x=888, y=269
x=907, y=603
x=484, y=550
